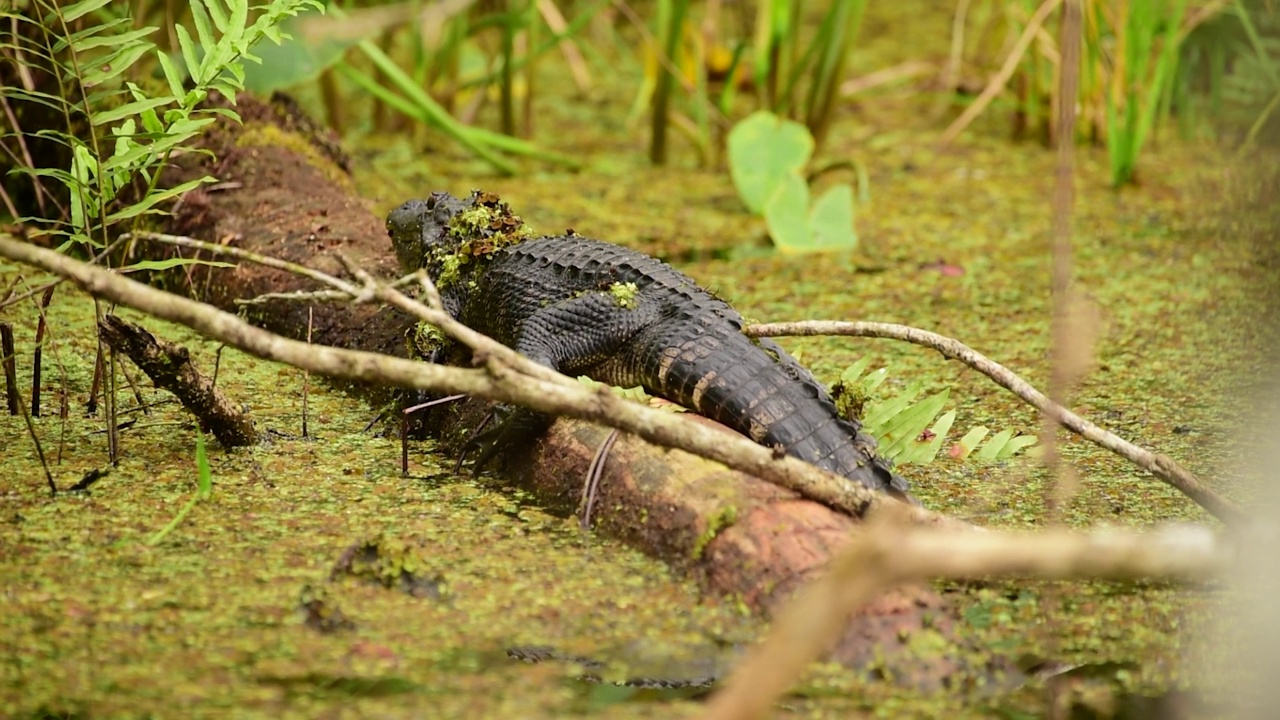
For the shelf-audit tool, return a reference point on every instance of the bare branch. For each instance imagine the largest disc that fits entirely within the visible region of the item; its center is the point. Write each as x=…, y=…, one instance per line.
x=506, y=376
x=1163, y=467
x=888, y=553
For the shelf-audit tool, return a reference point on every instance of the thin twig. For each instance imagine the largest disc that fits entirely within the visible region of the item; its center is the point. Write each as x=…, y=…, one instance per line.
x=8, y=359
x=37, y=355
x=306, y=376
x=594, y=473
x=1163, y=467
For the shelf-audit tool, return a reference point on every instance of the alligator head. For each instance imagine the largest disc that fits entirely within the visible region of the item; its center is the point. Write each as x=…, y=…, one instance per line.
x=421, y=226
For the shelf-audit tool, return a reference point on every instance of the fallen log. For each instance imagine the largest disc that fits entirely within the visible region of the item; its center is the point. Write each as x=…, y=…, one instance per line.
x=284, y=193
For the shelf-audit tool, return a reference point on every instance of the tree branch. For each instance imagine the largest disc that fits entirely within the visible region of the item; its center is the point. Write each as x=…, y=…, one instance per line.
x=1162, y=466
x=540, y=388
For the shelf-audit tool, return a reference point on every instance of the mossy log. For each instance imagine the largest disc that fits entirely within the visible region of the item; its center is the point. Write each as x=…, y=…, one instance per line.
x=283, y=192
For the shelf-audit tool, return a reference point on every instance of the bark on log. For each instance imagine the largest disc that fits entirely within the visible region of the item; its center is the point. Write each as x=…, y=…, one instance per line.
x=169, y=366
x=286, y=196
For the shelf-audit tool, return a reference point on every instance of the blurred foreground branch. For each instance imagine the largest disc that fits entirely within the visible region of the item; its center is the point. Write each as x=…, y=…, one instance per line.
x=888, y=553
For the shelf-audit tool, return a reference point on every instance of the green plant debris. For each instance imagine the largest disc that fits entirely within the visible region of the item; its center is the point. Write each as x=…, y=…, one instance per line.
x=625, y=295
x=427, y=340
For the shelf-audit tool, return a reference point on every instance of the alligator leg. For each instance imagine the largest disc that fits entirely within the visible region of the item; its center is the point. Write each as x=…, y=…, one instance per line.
x=556, y=336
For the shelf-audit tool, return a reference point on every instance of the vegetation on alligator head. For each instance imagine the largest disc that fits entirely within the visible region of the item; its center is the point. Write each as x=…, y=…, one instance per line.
x=453, y=238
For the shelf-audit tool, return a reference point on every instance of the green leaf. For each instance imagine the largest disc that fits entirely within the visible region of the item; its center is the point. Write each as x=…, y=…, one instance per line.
x=911, y=422
x=993, y=447
x=786, y=214
x=189, y=56
x=1015, y=444
x=765, y=151
x=873, y=381
x=96, y=35
x=851, y=374
x=124, y=136
x=173, y=263
x=129, y=109
x=879, y=415
x=115, y=63
x=204, y=474
x=75, y=11
x=831, y=222
x=205, y=32
x=928, y=451
x=150, y=201
x=236, y=26
x=971, y=440
x=218, y=15
x=171, y=74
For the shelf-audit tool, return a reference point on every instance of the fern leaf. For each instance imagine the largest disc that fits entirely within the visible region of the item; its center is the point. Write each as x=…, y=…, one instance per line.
x=239, y=20
x=104, y=40
x=927, y=452
x=75, y=11
x=881, y=412
x=970, y=441
x=189, y=56
x=218, y=15
x=991, y=451
x=145, y=205
x=1015, y=444
x=88, y=38
x=911, y=422
x=129, y=109
x=115, y=63
x=171, y=74
x=854, y=371
x=873, y=381
x=204, y=31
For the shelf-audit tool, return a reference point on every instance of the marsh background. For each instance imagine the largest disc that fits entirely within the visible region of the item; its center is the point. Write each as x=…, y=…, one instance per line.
x=1173, y=243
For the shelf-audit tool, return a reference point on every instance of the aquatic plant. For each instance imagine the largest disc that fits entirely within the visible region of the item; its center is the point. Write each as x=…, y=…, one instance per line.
x=767, y=155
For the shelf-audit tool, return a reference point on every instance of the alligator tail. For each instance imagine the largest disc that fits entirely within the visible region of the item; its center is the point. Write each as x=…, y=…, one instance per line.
x=760, y=391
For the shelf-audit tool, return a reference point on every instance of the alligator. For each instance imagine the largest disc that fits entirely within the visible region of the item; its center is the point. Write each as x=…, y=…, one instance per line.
x=590, y=308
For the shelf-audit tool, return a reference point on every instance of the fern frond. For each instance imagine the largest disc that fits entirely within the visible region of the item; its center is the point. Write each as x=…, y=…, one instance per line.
x=911, y=431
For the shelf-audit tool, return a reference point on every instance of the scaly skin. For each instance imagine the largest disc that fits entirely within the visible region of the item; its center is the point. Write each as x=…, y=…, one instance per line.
x=586, y=307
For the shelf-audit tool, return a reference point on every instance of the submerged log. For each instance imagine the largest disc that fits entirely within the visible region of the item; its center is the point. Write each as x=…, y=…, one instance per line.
x=283, y=192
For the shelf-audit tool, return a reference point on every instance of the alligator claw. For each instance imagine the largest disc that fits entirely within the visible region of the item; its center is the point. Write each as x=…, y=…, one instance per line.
x=514, y=427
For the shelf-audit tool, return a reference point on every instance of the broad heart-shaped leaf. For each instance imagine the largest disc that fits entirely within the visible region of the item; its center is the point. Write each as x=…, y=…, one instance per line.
x=764, y=151
x=831, y=222
x=787, y=212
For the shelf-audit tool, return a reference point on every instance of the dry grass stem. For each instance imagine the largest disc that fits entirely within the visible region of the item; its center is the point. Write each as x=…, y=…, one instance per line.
x=1001, y=78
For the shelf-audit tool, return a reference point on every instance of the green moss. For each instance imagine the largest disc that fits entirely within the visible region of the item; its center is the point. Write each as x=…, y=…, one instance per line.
x=716, y=524
x=850, y=400
x=451, y=265
x=426, y=340
x=269, y=134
